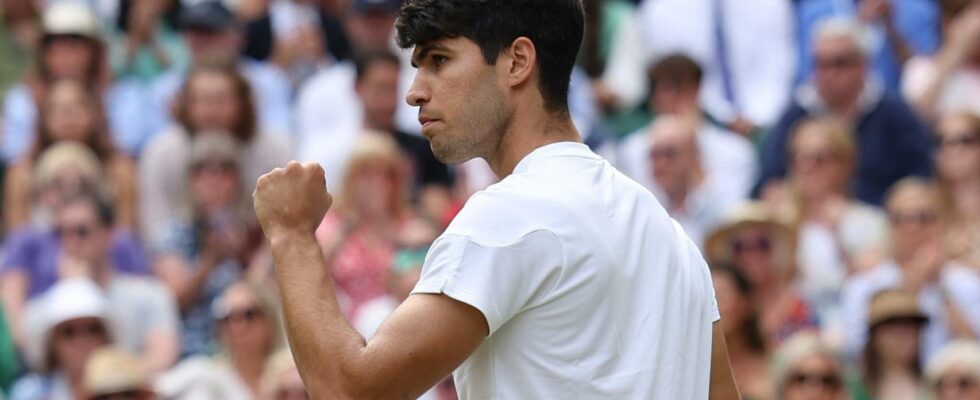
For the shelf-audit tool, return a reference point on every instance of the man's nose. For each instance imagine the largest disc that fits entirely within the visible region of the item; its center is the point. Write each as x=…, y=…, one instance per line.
x=418, y=93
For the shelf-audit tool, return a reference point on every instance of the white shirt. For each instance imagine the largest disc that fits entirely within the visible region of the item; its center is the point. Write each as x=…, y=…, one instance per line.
x=588, y=288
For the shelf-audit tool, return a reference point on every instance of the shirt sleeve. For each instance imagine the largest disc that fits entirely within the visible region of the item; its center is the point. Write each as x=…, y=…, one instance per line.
x=499, y=281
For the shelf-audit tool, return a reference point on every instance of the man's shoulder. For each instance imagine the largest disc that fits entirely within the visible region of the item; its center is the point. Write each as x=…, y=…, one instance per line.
x=506, y=211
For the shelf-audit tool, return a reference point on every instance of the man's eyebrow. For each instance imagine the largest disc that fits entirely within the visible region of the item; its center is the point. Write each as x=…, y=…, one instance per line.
x=423, y=51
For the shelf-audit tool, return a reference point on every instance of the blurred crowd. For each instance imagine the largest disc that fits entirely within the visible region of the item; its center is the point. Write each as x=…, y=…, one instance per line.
x=823, y=154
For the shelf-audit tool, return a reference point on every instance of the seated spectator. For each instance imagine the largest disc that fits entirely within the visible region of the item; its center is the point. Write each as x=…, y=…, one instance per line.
x=213, y=37
x=281, y=380
x=358, y=234
x=691, y=197
x=763, y=249
x=728, y=159
x=890, y=363
x=66, y=325
x=958, y=170
x=946, y=290
x=81, y=239
x=71, y=48
x=747, y=351
x=204, y=252
x=70, y=113
x=891, y=142
x=213, y=100
x=249, y=332
x=113, y=373
x=805, y=369
x=954, y=372
x=838, y=235
x=948, y=81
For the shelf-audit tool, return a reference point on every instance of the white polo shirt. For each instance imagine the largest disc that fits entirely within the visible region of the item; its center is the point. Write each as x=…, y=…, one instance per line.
x=590, y=290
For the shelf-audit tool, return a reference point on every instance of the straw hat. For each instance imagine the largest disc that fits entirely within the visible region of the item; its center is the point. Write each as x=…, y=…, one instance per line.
x=718, y=245
x=70, y=18
x=65, y=301
x=111, y=370
x=891, y=304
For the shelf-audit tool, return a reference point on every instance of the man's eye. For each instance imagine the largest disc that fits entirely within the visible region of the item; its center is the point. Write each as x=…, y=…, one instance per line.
x=439, y=60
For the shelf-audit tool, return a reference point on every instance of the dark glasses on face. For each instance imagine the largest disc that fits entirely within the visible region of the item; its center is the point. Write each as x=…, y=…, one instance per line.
x=838, y=62
x=921, y=217
x=72, y=331
x=741, y=246
x=827, y=380
x=815, y=157
x=961, y=141
x=79, y=231
x=961, y=383
x=249, y=314
x=126, y=395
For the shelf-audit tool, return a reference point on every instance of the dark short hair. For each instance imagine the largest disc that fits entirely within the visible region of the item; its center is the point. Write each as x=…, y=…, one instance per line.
x=554, y=26
x=364, y=61
x=677, y=68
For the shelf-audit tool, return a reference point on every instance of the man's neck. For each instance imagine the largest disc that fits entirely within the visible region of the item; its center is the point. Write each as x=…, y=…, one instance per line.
x=525, y=135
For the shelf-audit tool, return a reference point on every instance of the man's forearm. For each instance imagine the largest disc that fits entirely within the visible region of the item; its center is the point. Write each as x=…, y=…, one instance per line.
x=323, y=341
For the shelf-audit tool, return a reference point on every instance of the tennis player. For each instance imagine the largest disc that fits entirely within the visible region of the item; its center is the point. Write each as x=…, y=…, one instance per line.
x=565, y=280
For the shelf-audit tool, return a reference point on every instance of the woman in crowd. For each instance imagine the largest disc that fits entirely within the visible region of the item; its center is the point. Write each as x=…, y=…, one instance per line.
x=954, y=373
x=215, y=100
x=67, y=325
x=946, y=289
x=281, y=380
x=838, y=234
x=890, y=362
x=71, y=113
x=205, y=250
x=249, y=332
x=358, y=235
x=763, y=249
x=805, y=369
x=958, y=169
x=740, y=322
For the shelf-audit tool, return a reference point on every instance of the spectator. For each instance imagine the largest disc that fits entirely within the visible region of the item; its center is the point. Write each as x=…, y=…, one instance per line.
x=113, y=373
x=728, y=160
x=958, y=167
x=740, y=322
x=81, y=237
x=890, y=360
x=691, y=197
x=67, y=324
x=950, y=80
x=71, y=48
x=213, y=38
x=763, y=249
x=838, y=235
x=954, y=373
x=894, y=31
x=203, y=253
x=358, y=234
x=214, y=100
x=250, y=333
x=891, y=142
x=805, y=369
x=70, y=113
x=281, y=380
x=747, y=56
x=946, y=290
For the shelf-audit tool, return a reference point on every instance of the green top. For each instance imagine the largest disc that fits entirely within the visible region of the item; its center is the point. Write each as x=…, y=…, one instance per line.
x=9, y=368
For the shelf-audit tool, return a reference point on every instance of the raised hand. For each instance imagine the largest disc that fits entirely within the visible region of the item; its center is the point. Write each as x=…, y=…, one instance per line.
x=291, y=200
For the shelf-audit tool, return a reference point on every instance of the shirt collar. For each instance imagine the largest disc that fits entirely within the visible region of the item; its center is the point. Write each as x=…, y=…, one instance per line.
x=557, y=149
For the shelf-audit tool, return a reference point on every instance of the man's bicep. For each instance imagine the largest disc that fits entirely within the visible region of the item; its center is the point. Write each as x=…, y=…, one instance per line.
x=422, y=342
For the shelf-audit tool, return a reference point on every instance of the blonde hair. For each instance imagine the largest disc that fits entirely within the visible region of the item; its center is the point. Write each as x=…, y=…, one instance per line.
x=374, y=147
x=841, y=140
x=961, y=353
x=794, y=350
x=269, y=305
x=915, y=184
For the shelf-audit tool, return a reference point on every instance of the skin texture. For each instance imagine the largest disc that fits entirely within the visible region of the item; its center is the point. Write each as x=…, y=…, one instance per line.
x=468, y=109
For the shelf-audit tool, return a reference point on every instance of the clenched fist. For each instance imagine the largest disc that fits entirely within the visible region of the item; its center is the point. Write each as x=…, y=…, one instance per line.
x=291, y=199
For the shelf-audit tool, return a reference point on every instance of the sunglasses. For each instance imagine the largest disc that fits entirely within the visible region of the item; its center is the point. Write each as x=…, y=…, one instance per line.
x=825, y=380
x=839, y=62
x=962, y=141
x=960, y=383
x=215, y=166
x=249, y=314
x=80, y=330
x=921, y=217
x=125, y=395
x=815, y=157
x=79, y=231
x=742, y=246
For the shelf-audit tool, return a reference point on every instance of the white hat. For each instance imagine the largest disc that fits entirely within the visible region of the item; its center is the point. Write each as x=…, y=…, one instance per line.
x=70, y=18
x=67, y=300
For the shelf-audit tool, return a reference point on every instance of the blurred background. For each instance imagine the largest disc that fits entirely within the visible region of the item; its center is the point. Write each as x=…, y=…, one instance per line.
x=824, y=155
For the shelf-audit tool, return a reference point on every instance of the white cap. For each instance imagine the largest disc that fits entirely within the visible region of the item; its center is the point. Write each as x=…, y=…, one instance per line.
x=67, y=300
x=70, y=18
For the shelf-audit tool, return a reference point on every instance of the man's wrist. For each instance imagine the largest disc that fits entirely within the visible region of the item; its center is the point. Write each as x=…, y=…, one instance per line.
x=289, y=236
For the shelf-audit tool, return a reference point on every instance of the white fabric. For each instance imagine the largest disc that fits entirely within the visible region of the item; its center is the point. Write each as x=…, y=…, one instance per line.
x=961, y=92
x=957, y=283
x=588, y=288
x=702, y=211
x=760, y=47
x=729, y=161
x=328, y=118
x=139, y=307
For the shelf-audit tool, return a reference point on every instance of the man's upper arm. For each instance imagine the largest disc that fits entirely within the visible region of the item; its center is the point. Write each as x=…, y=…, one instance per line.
x=722, y=380
x=421, y=343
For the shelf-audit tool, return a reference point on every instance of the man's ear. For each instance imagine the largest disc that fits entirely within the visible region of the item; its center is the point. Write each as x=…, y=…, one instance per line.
x=523, y=58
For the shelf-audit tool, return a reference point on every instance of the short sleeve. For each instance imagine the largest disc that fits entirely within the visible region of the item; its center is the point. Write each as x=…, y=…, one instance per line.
x=499, y=281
